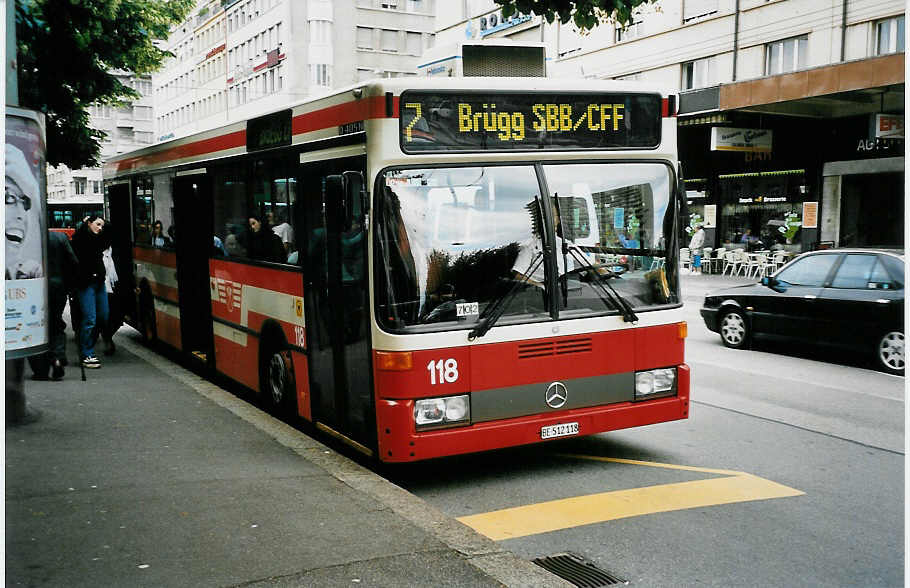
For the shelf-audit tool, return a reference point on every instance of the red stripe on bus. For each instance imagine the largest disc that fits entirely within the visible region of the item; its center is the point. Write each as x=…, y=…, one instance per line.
x=356, y=111
x=201, y=147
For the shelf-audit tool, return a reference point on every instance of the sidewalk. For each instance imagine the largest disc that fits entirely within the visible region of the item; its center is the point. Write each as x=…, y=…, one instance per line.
x=147, y=475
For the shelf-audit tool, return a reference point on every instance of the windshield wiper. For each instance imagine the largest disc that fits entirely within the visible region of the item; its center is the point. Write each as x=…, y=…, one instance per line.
x=620, y=303
x=495, y=310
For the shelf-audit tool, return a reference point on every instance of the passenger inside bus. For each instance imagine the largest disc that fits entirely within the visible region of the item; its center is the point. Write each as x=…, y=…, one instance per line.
x=262, y=243
x=158, y=238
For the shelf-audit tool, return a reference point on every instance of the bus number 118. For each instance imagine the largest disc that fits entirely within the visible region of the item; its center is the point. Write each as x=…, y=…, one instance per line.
x=447, y=370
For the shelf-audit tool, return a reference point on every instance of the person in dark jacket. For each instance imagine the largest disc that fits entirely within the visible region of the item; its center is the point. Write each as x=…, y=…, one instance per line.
x=262, y=243
x=61, y=270
x=89, y=243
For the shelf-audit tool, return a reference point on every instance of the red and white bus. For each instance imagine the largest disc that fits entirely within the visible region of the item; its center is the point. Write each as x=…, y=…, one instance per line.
x=468, y=264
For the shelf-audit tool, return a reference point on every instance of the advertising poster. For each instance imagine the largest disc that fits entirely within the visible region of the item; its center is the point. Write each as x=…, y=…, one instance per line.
x=25, y=280
x=810, y=215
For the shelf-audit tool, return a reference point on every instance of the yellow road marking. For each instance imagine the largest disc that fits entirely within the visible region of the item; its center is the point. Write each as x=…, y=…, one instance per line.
x=567, y=513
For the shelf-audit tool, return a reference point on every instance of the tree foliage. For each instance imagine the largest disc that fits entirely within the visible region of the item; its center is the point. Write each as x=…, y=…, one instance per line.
x=586, y=14
x=66, y=50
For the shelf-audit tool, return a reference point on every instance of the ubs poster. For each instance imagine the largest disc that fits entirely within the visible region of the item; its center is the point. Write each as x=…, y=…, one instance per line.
x=25, y=280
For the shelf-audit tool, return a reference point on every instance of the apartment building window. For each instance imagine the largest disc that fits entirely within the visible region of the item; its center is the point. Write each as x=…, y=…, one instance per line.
x=393, y=5
x=389, y=40
x=321, y=74
x=96, y=186
x=786, y=55
x=142, y=112
x=364, y=38
x=631, y=31
x=414, y=5
x=320, y=32
x=889, y=35
x=698, y=73
x=413, y=43
x=79, y=186
x=695, y=9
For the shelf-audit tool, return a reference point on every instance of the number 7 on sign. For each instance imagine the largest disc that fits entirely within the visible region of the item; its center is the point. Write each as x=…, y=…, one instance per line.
x=417, y=116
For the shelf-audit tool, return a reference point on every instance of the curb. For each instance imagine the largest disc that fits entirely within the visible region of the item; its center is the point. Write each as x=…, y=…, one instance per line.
x=481, y=552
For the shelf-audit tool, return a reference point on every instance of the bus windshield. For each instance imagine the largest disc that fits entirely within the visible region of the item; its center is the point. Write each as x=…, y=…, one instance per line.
x=451, y=243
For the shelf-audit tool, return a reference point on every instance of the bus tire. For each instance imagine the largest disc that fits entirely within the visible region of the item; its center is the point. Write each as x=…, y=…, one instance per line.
x=276, y=380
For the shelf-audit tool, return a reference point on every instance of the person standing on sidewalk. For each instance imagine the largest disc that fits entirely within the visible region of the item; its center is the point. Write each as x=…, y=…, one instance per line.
x=89, y=243
x=695, y=246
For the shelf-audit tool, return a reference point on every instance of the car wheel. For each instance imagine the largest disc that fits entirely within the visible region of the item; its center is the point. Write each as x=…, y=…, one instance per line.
x=734, y=330
x=890, y=352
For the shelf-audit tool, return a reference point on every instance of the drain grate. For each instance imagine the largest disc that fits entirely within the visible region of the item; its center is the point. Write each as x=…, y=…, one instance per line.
x=578, y=570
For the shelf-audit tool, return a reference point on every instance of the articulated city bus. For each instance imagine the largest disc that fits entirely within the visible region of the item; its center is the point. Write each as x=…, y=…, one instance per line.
x=463, y=264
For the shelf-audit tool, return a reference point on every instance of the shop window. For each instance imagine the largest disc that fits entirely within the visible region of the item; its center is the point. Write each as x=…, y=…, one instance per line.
x=889, y=35
x=786, y=55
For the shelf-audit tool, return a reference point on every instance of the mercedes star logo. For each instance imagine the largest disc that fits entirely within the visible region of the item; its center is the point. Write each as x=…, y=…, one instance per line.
x=557, y=395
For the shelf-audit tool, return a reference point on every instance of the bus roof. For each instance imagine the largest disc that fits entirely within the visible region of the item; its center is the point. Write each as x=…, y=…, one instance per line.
x=324, y=116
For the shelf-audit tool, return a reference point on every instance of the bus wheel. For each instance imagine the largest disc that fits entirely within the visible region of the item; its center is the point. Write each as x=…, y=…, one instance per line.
x=277, y=382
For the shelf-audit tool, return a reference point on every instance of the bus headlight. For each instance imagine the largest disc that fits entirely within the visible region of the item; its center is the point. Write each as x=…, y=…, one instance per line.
x=442, y=412
x=655, y=383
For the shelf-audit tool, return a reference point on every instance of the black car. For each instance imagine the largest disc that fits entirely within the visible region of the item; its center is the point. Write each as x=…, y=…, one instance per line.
x=844, y=297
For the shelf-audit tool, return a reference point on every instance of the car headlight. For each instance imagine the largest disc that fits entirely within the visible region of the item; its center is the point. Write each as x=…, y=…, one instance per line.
x=655, y=383
x=431, y=413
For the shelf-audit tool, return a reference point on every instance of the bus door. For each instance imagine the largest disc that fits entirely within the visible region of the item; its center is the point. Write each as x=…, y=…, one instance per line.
x=117, y=197
x=335, y=289
x=193, y=243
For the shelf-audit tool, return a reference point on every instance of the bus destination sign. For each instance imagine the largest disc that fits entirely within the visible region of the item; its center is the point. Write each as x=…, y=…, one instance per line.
x=269, y=131
x=450, y=121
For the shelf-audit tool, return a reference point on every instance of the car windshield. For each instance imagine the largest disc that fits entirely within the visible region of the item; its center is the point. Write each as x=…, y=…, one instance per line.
x=452, y=244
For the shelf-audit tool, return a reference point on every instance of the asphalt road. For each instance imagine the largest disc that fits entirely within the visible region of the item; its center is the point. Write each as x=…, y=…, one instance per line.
x=790, y=471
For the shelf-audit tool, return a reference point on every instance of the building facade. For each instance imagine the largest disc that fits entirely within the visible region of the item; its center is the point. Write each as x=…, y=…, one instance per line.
x=127, y=127
x=790, y=110
x=236, y=59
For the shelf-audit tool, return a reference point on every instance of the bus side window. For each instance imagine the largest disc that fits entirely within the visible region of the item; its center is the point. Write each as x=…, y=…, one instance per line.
x=229, y=210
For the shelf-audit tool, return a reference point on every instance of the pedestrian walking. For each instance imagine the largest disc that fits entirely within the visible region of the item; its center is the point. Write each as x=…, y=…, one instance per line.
x=89, y=243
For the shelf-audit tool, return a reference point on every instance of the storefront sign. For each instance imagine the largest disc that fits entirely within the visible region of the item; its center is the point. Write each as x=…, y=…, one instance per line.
x=710, y=216
x=889, y=126
x=810, y=215
x=749, y=140
x=25, y=283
